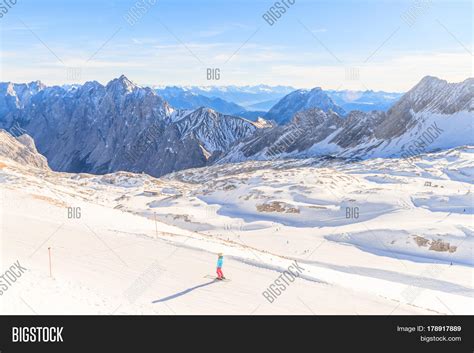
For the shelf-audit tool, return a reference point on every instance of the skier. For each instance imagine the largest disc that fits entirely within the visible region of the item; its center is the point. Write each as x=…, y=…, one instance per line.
x=220, y=260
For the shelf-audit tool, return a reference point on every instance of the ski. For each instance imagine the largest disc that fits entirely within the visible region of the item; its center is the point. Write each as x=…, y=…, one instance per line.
x=215, y=278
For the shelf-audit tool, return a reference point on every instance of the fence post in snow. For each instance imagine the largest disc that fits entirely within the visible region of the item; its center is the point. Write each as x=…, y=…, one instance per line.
x=50, y=271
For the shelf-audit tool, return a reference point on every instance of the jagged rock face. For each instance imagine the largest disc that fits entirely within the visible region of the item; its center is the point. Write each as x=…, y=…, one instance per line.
x=217, y=132
x=15, y=96
x=306, y=129
x=301, y=100
x=358, y=128
x=430, y=96
x=22, y=150
x=369, y=134
x=120, y=126
x=310, y=127
x=88, y=129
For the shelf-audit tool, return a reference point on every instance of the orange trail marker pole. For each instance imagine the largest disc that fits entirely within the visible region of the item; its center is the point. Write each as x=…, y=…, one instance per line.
x=156, y=225
x=50, y=272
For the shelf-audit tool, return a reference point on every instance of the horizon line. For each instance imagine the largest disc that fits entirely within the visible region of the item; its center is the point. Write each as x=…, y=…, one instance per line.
x=162, y=86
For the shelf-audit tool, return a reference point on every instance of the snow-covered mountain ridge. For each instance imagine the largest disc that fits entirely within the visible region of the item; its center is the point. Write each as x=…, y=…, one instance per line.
x=433, y=115
x=121, y=126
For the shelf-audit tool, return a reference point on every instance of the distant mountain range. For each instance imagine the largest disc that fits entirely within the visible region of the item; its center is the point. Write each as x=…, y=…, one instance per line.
x=252, y=102
x=260, y=98
x=433, y=115
x=364, y=101
x=193, y=98
x=181, y=98
x=121, y=126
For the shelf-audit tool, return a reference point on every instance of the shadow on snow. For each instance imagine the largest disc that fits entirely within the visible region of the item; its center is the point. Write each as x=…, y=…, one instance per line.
x=179, y=294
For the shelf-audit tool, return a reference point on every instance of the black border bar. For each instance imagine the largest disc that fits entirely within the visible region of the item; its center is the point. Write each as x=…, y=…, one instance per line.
x=246, y=333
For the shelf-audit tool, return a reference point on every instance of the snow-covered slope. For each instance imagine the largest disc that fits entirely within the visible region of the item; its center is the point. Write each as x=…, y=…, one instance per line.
x=381, y=236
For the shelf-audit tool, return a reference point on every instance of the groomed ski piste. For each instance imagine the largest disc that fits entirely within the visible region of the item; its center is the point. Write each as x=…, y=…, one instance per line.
x=381, y=236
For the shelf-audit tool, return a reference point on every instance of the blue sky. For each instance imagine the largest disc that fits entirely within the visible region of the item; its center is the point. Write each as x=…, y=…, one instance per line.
x=315, y=43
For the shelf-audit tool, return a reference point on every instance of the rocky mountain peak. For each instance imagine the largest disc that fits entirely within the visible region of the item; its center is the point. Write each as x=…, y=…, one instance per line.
x=428, y=83
x=316, y=90
x=121, y=85
x=36, y=85
x=434, y=95
x=300, y=100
